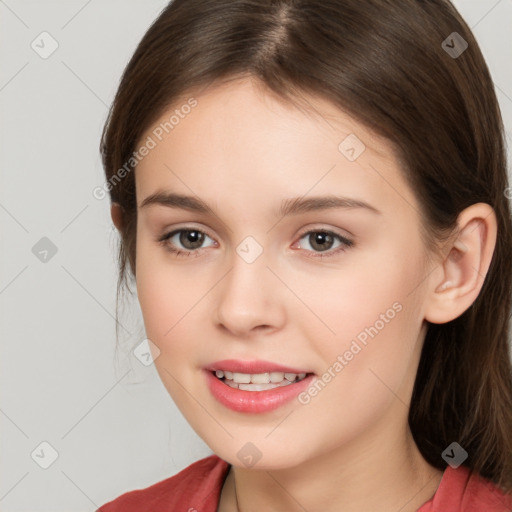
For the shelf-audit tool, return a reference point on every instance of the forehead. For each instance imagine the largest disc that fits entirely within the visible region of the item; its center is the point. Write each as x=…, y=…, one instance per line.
x=240, y=134
x=239, y=95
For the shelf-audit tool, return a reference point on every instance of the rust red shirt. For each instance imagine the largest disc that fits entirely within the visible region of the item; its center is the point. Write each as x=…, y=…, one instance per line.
x=197, y=488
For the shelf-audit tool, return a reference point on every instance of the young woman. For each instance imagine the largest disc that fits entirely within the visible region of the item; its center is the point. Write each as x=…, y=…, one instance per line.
x=312, y=200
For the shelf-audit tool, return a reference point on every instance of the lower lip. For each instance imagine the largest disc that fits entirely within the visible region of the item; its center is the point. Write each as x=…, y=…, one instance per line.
x=255, y=401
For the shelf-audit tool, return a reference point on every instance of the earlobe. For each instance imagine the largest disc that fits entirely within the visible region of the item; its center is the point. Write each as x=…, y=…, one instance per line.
x=116, y=213
x=465, y=266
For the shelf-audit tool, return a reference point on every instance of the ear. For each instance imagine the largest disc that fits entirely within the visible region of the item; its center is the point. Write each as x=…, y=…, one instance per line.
x=116, y=212
x=455, y=285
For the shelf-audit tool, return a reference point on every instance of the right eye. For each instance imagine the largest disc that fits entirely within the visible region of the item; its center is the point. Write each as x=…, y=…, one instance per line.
x=191, y=239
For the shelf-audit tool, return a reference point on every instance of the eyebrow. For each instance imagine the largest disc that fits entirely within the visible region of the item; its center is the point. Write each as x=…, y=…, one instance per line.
x=291, y=206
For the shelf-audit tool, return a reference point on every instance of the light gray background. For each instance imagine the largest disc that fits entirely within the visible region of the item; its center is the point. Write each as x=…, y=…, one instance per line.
x=109, y=418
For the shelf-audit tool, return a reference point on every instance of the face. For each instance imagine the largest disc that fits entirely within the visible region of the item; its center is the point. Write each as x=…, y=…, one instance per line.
x=334, y=290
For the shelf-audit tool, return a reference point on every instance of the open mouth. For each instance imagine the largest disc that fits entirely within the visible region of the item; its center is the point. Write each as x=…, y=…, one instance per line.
x=259, y=381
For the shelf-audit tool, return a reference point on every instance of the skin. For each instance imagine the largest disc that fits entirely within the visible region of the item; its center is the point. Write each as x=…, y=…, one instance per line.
x=242, y=151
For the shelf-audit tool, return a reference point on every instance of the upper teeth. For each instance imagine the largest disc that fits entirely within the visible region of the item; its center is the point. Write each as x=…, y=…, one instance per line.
x=258, y=378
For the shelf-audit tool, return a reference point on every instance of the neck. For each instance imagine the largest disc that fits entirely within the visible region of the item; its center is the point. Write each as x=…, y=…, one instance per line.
x=368, y=475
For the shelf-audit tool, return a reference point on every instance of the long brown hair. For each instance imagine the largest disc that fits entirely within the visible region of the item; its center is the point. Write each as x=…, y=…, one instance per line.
x=383, y=62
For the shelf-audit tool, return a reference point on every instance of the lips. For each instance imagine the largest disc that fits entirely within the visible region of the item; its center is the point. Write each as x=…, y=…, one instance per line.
x=254, y=366
x=255, y=402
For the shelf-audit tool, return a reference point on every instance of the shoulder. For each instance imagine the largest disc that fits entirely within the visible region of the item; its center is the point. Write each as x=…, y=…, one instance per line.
x=465, y=491
x=482, y=494
x=197, y=487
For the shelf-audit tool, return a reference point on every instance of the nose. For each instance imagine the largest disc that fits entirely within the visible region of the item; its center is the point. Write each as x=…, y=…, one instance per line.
x=250, y=298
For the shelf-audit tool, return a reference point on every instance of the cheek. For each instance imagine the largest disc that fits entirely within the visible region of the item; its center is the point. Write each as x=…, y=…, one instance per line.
x=175, y=301
x=167, y=306
x=371, y=322
x=165, y=293
x=351, y=295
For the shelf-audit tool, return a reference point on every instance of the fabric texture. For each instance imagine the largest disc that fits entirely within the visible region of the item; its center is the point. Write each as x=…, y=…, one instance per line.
x=197, y=488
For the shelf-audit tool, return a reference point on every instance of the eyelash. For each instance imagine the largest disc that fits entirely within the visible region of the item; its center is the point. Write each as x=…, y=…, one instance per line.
x=345, y=243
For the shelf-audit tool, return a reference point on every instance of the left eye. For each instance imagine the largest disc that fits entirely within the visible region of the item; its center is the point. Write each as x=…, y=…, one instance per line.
x=322, y=241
